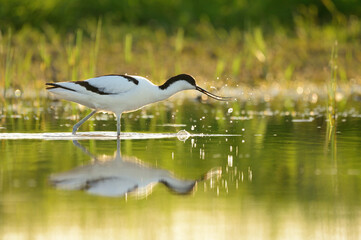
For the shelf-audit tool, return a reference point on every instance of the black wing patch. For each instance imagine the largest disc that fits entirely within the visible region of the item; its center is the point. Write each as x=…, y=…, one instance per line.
x=130, y=78
x=91, y=88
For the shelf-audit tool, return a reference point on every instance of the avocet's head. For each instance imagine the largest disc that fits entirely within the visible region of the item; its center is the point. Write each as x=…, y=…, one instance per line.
x=186, y=82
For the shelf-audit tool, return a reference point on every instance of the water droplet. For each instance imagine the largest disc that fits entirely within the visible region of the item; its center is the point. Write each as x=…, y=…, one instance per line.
x=183, y=135
x=299, y=90
x=230, y=160
x=17, y=93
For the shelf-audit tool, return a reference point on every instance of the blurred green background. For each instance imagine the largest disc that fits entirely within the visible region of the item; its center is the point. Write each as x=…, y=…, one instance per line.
x=235, y=43
x=66, y=15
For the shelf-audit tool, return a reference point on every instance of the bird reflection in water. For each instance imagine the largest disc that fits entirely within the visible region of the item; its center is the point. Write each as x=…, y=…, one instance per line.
x=119, y=176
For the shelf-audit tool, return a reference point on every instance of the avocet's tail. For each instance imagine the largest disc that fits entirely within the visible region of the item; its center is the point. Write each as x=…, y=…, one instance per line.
x=71, y=92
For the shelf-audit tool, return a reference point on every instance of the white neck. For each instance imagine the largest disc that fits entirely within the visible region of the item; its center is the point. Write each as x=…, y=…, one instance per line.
x=173, y=89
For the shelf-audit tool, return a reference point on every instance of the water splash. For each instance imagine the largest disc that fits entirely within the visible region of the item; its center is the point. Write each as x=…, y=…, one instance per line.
x=183, y=135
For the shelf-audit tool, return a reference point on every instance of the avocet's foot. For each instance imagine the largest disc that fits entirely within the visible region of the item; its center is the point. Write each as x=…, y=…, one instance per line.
x=77, y=125
x=118, y=126
x=75, y=128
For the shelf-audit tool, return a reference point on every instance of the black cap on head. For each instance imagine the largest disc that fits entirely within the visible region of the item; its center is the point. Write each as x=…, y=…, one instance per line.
x=180, y=77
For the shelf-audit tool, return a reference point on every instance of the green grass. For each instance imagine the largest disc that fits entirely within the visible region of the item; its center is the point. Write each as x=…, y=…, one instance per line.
x=73, y=51
x=128, y=42
x=332, y=86
x=9, y=56
x=95, y=49
x=254, y=58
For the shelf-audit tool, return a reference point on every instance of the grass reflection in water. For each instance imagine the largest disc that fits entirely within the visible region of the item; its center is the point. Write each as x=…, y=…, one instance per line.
x=282, y=177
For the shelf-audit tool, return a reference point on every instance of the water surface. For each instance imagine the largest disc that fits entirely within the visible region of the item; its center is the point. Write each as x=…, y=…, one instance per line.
x=277, y=174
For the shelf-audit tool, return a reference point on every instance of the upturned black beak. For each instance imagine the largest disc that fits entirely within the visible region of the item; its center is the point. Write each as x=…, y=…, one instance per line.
x=213, y=95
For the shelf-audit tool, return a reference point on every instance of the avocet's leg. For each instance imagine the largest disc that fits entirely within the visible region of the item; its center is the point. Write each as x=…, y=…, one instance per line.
x=118, y=125
x=86, y=151
x=118, y=147
x=76, y=126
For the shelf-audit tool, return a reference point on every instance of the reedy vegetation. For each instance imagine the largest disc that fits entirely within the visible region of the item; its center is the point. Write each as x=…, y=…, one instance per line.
x=253, y=57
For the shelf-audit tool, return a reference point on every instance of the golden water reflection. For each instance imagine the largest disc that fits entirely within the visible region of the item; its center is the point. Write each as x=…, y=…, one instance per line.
x=200, y=220
x=270, y=187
